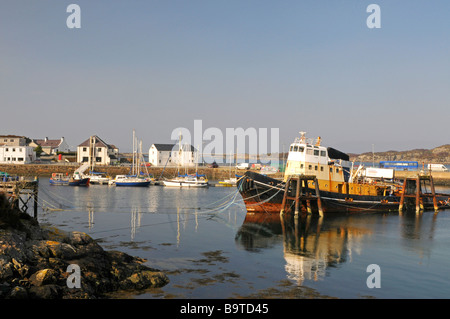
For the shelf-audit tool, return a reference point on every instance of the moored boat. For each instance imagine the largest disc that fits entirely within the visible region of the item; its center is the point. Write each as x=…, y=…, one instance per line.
x=130, y=180
x=66, y=180
x=187, y=181
x=331, y=178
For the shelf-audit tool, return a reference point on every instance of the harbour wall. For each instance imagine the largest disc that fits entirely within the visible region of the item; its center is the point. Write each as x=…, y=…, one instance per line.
x=439, y=178
x=220, y=173
x=46, y=170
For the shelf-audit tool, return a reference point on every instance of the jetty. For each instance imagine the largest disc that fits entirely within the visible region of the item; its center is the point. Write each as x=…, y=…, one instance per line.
x=21, y=192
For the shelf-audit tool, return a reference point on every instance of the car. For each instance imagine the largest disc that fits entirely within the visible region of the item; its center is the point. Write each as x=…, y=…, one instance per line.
x=243, y=166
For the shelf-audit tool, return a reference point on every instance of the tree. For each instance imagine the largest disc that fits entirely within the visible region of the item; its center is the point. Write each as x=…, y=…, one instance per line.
x=38, y=150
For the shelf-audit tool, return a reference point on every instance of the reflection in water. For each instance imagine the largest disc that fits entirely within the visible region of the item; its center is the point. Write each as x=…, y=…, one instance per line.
x=308, y=247
x=312, y=244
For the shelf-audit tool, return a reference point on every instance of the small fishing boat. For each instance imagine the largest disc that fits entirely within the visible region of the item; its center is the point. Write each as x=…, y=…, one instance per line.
x=66, y=180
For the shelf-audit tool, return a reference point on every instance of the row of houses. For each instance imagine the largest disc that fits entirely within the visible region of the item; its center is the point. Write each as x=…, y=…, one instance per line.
x=22, y=150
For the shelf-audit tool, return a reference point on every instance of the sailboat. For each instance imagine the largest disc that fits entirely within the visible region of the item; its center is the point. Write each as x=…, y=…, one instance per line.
x=99, y=178
x=231, y=181
x=186, y=180
x=134, y=179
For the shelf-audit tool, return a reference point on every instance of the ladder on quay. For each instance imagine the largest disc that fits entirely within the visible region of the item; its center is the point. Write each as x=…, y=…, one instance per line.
x=302, y=194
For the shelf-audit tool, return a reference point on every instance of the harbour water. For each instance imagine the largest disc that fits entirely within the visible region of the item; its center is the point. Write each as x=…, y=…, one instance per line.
x=208, y=245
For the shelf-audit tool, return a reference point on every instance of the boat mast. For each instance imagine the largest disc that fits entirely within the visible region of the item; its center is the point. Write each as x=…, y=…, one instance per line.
x=133, y=161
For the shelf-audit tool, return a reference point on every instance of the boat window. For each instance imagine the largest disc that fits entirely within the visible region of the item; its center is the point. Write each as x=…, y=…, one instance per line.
x=331, y=170
x=295, y=148
x=301, y=165
x=321, y=168
x=292, y=148
x=315, y=167
x=301, y=148
x=323, y=153
x=310, y=167
x=337, y=170
x=309, y=151
x=316, y=152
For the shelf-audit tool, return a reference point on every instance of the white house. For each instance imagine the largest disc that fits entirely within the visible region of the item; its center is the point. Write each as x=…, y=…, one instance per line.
x=17, y=154
x=14, y=150
x=94, y=149
x=51, y=147
x=12, y=140
x=171, y=156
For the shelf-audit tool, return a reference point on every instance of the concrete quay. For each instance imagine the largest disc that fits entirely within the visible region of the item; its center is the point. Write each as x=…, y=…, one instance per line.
x=439, y=178
x=46, y=170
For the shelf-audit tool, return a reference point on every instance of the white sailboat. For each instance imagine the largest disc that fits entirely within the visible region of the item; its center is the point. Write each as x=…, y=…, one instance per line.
x=231, y=181
x=194, y=181
x=134, y=179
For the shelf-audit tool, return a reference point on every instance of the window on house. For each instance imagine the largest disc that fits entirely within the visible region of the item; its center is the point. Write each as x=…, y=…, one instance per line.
x=85, y=159
x=99, y=149
x=84, y=149
x=98, y=159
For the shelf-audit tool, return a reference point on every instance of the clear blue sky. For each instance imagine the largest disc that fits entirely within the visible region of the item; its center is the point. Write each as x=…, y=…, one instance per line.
x=154, y=66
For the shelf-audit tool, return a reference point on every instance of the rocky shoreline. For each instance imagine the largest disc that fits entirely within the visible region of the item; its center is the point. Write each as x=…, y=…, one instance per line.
x=46, y=263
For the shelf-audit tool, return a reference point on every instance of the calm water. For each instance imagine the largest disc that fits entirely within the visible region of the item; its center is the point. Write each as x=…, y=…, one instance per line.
x=210, y=248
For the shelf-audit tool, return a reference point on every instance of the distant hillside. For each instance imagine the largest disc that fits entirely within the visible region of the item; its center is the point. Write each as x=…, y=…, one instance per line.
x=440, y=154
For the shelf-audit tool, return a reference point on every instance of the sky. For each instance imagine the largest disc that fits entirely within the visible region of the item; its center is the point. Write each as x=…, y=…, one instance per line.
x=157, y=65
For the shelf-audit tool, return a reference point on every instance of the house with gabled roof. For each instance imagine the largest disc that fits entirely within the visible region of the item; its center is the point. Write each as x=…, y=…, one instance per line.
x=97, y=151
x=14, y=150
x=171, y=155
x=50, y=146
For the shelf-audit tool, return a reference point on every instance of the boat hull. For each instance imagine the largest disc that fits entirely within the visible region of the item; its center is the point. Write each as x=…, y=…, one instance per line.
x=70, y=182
x=134, y=184
x=265, y=195
x=184, y=184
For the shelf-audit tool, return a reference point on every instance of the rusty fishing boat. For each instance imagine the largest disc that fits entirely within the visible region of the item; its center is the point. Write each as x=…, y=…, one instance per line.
x=322, y=179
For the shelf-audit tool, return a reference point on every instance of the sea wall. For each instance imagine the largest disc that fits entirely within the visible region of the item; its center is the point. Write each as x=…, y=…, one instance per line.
x=46, y=170
x=439, y=178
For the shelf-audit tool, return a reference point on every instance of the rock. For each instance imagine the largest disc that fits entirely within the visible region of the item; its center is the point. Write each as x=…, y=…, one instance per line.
x=79, y=238
x=44, y=292
x=34, y=263
x=145, y=279
x=44, y=277
x=18, y=292
x=61, y=250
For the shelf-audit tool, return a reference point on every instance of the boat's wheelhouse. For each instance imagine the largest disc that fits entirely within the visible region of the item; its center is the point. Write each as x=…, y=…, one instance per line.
x=309, y=158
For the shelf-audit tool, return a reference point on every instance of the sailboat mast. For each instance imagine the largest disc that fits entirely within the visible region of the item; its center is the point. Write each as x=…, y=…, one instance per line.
x=133, y=160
